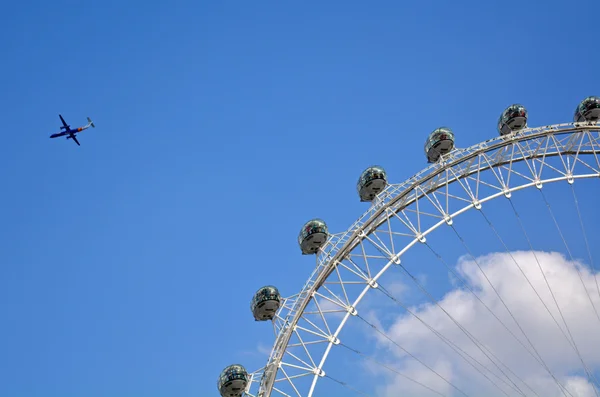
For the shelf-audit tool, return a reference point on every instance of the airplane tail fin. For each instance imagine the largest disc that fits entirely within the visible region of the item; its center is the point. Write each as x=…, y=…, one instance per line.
x=91, y=122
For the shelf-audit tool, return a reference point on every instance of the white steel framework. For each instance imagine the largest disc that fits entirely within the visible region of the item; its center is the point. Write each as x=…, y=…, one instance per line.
x=308, y=324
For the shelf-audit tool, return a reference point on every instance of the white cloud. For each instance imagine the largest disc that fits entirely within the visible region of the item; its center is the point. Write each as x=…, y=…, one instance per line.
x=530, y=313
x=263, y=349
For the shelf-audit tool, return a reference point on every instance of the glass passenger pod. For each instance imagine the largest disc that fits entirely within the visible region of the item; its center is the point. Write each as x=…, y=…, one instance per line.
x=439, y=142
x=588, y=110
x=512, y=119
x=233, y=381
x=371, y=182
x=312, y=236
x=265, y=303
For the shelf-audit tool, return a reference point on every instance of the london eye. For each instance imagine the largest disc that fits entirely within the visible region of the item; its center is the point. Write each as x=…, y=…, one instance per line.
x=402, y=217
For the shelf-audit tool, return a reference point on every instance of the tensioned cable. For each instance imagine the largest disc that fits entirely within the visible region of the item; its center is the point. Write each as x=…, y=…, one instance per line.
x=591, y=377
x=451, y=344
x=410, y=354
x=392, y=369
x=347, y=386
x=587, y=245
x=475, y=341
x=569, y=252
x=562, y=388
x=545, y=279
x=465, y=284
x=540, y=359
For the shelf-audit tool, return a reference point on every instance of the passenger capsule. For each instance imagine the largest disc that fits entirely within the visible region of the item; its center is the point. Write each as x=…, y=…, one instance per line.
x=588, y=110
x=372, y=181
x=233, y=381
x=265, y=303
x=439, y=142
x=512, y=119
x=312, y=236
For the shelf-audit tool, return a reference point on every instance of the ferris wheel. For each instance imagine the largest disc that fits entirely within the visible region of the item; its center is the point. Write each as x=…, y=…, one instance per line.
x=349, y=265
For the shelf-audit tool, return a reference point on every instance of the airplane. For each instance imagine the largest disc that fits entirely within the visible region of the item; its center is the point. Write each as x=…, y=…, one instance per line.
x=71, y=132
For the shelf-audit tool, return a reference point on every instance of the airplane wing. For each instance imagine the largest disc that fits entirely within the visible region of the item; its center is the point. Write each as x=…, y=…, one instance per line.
x=76, y=141
x=64, y=122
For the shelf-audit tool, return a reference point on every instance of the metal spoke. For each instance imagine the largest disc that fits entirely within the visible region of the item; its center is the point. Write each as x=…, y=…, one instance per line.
x=351, y=263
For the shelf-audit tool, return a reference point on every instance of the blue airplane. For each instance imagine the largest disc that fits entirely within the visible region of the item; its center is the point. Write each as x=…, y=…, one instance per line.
x=71, y=132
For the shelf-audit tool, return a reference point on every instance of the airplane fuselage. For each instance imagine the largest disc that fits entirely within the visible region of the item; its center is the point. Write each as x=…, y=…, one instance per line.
x=69, y=132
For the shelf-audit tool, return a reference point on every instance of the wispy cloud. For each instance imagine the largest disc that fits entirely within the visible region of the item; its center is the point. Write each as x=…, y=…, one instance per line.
x=531, y=315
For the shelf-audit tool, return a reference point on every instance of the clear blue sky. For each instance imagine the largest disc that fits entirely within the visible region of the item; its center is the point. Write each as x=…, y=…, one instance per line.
x=127, y=264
